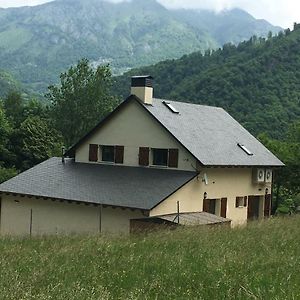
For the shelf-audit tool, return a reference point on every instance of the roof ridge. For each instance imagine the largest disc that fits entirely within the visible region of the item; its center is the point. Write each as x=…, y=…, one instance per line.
x=189, y=103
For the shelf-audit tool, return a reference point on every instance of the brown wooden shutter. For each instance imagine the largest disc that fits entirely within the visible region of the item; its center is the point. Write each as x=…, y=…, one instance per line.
x=173, y=158
x=245, y=201
x=144, y=156
x=223, y=207
x=119, y=155
x=267, y=207
x=93, y=152
x=206, y=203
x=237, y=202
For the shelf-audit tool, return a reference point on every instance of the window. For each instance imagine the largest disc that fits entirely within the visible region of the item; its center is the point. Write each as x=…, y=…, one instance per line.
x=165, y=157
x=245, y=149
x=209, y=206
x=108, y=153
x=160, y=157
x=113, y=154
x=241, y=201
x=171, y=107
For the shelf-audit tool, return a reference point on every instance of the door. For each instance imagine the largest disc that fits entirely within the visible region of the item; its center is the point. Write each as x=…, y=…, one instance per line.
x=223, y=207
x=253, y=207
x=267, y=206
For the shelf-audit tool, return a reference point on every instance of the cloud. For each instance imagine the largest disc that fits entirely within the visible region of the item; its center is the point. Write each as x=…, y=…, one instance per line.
x=15, y=3
x=278, y=12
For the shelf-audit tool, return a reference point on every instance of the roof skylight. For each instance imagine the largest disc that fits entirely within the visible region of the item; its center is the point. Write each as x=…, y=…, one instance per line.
x=245, y=149
x=171, y=107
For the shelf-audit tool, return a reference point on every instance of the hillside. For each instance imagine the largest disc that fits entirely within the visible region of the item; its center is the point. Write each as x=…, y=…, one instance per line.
x=257, y=81
x=38, y=43
x=260, y=261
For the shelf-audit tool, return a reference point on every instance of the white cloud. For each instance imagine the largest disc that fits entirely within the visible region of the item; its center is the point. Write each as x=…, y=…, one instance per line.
x=278, y=12
x=15, y=3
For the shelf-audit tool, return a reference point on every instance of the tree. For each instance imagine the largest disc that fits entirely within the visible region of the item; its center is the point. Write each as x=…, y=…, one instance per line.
x=5, y=131
x=81, y=100
x=287, y=179
x=40, y=141
x=13, y=105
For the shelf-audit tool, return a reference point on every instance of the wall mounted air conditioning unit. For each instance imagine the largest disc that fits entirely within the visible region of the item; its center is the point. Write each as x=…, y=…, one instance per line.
x=268, y=176
x=259, y=175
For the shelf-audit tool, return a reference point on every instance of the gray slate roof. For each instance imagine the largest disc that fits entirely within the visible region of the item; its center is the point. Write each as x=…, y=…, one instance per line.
x=211, y=135
x=133, y=187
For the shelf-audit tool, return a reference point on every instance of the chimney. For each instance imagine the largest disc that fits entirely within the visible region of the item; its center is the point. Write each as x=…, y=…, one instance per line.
x=141, y=86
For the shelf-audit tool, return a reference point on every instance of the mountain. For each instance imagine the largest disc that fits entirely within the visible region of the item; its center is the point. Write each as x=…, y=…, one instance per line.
x=228, y=26
x=257, y=82
x=38, y=43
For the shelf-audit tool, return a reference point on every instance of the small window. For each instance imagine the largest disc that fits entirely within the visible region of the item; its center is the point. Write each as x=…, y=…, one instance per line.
x=240, y=201
x=108, y=153
x=160, y=157
x=171, y=107
x=245, y=149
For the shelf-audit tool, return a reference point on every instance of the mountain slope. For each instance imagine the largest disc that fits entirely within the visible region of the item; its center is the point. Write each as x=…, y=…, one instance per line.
x=37, y=43
x=229, y=26
x=258, y=81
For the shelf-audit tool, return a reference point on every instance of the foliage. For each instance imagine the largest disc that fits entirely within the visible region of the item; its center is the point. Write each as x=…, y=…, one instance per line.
x=40, y=141
x=39, y=43
x=7, y=173
x=13, y=105
x=7, y=83
x=27, y=136
x=287, y=180
x=257, y=82
x=5, y=130
x=187, y=263
x=81, y=100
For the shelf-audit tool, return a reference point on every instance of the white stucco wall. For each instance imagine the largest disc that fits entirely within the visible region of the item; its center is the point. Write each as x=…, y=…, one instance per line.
x=222, y=183
x=132, y=128
x=55, y=217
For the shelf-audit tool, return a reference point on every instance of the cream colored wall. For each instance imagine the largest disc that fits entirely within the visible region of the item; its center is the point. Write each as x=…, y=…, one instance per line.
x=133, y=127
x=222, y=183
x=54, y=217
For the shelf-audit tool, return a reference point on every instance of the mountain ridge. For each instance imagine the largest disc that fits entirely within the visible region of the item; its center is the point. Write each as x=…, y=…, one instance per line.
x=38, y=43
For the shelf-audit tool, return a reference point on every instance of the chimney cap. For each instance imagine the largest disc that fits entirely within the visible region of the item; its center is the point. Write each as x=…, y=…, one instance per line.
x=141, y=81
x=142, y=76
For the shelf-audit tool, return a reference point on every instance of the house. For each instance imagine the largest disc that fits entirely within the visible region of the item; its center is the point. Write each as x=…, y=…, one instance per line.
x=150, y=161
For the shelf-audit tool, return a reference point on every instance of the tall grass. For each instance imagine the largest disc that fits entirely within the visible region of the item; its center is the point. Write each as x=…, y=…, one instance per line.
x=260, y=261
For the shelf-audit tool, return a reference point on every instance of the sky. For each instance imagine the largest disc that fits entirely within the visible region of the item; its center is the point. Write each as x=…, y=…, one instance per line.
x=278, y=12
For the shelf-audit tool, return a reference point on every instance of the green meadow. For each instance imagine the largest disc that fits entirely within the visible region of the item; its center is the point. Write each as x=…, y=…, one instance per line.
x=259, y=261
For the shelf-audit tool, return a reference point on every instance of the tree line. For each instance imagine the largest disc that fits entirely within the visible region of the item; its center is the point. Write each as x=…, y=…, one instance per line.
x=31, y=132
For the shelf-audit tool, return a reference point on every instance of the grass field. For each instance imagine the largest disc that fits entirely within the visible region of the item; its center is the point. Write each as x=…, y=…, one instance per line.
x=260, y=261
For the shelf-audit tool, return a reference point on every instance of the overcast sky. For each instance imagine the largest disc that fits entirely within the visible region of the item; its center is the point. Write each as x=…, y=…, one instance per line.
x=279, y=12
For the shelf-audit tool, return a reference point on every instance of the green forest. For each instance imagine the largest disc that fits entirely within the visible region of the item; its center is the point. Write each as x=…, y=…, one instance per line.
x=257, y=82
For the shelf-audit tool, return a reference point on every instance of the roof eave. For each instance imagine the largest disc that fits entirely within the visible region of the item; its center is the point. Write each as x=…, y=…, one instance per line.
x=72, y=200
